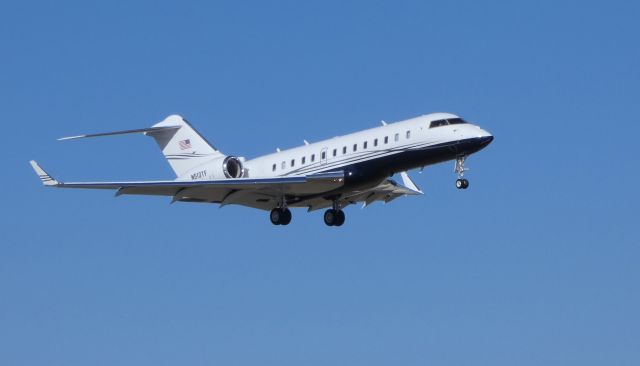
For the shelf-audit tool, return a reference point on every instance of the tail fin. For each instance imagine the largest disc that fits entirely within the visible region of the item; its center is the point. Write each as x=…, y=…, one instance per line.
x=182, y=146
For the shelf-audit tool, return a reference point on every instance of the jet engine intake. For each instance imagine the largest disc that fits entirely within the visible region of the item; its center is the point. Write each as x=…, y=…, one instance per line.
x=232, y=167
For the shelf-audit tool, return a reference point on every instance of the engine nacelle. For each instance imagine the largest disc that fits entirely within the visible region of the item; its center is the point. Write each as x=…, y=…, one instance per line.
x=228, y=167
x=232, y=167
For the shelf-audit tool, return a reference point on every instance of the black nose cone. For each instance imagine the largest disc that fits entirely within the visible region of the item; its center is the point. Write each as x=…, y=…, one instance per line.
x=486, y=140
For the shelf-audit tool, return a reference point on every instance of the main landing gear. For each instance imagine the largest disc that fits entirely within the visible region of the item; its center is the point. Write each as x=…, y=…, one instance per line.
x=461, y=182
x=334, y=217
x=280, y=216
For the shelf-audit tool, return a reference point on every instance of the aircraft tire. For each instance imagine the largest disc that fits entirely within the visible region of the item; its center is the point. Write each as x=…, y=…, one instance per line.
x=330, y=217
x=275, y=216
x=339, y=218
x=286, y=217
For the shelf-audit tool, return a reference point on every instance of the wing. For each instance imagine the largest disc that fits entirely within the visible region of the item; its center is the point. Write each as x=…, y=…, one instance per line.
x=387, y=191
x=260, y=193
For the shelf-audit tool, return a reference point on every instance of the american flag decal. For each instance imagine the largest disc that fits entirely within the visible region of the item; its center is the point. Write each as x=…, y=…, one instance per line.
x=184, y=144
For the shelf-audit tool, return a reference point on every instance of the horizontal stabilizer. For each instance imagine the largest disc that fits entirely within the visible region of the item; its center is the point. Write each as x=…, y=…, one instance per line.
x=148, y=131
x=182, y=146
x=46, y=179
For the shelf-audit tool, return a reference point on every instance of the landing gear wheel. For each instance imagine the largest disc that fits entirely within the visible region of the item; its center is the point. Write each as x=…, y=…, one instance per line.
x=280, y=216
x=286, y=217
x=330, y=217
x=334, y=217
x=462, y=184
x=340, y=218
x=275, y=216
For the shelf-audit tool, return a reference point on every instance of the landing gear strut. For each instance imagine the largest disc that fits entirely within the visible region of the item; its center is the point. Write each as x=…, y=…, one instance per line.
x=461, y=182
x=280, y=216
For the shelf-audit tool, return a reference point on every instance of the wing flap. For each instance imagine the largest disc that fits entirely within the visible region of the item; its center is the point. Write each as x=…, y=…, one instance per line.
x=150, y=186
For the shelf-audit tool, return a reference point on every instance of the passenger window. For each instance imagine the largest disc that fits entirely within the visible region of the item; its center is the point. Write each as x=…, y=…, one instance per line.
x=375, y=142
x=273, y=168
x=386, y=139
x=335, y=152
x=313, y=157
x=344, y=149
x=355, y=147
x=396, y=137
x=323, y=155
x=364, y=146
x=408, y=134
x=293, y=162
x=304, y=158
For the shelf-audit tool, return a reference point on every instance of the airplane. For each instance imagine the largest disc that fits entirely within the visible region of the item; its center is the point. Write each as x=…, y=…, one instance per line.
x=329, y=174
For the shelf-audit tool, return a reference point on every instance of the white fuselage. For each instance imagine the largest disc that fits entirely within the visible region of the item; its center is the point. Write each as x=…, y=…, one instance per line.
x=363, y=146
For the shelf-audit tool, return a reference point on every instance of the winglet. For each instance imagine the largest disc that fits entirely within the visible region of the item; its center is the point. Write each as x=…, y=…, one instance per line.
x=46, y=179
x=406, y=180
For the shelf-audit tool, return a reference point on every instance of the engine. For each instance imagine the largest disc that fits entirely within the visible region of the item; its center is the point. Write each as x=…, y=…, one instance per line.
x=228, y=167
x=232, y=167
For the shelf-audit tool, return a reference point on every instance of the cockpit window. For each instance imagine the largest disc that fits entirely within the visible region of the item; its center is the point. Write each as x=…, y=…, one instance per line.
x=438, y=123
x=456, y=121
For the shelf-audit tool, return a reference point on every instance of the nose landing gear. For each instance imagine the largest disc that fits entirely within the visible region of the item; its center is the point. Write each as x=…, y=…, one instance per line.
x=461, y=182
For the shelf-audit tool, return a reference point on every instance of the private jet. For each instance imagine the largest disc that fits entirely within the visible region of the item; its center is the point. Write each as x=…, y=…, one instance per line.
x=329, y=174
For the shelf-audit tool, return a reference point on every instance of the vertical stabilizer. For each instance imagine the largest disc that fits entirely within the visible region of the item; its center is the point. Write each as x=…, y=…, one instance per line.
x=184, y=148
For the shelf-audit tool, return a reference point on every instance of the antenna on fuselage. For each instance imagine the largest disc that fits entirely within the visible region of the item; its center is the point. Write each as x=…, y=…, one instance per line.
x=306, y=142
x=277, y=149
x=383, y=122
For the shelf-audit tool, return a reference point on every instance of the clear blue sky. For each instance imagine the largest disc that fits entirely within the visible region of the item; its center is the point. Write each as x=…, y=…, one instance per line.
x=535, y=264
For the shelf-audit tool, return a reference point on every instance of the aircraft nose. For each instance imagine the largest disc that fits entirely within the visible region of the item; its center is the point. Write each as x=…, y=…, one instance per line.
x=485, y=138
